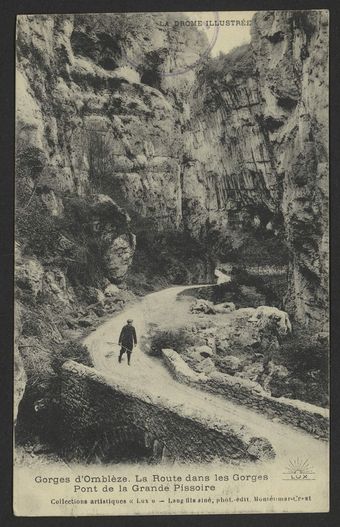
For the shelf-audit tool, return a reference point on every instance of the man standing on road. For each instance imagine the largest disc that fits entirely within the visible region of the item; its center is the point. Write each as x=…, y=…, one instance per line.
x=127, y=340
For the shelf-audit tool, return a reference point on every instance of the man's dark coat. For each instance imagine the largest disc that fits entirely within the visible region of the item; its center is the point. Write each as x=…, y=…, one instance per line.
x=128, y=337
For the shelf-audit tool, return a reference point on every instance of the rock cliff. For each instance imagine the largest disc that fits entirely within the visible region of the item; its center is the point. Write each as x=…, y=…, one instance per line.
x=118, y=140
x=257, y=147
x=238, y=137
x=291, y=54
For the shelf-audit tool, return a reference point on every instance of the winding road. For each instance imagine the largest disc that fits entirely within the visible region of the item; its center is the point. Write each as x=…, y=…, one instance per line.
x=151, y=376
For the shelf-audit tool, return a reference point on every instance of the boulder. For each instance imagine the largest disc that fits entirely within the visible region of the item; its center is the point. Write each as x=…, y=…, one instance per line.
x=52, y=202
x=100, y=297
x=65, y=245
x=222, y=278
x=119, y=254
x=280, y=371
x=54, y=283
x=206, y=366
x=248, y=329
x=29, y=274
x=261, y=448
x=267, y=317
x=111, y=290
x=225, y=307
x=232, y=363
x=203, y=306
x=222, y=345
x=99, y=310
x=251, y=371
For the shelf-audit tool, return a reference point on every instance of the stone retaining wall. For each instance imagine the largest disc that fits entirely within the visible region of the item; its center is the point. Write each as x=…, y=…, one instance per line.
x=311, y=418
x=99, y=416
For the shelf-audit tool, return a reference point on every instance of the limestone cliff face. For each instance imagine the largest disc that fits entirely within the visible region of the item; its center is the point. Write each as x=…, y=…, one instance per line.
x=257, y=143
x=92, y=95
x=229, y=154
x=291, y=55
x=238, y=137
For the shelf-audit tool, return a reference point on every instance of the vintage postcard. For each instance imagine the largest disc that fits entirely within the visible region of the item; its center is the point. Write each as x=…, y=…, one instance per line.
x=172, y=339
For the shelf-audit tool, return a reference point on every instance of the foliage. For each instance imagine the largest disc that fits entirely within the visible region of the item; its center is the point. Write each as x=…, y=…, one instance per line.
x=72, y=351
x=85, y=260
x=237, y=62
x=30, y=161
x=178, y=339
x=305, y=351
x=272, y=249
x=306, y=356
x=36, y=229
x=222, y=74
x=272, y=287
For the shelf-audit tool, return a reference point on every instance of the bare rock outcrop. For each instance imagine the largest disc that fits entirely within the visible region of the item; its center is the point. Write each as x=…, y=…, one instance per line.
x=29, y=273
x=291, y=53
x=119, y=255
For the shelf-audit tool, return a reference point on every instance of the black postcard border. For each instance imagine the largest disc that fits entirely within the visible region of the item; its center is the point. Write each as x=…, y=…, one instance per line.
x=9, y=10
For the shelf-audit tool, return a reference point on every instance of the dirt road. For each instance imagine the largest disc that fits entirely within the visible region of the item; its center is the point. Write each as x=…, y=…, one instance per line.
x=150, y=375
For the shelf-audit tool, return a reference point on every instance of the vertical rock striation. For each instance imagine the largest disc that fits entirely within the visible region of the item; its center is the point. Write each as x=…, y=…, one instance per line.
x=237, y=137
x=257, y=142
x=291, y=55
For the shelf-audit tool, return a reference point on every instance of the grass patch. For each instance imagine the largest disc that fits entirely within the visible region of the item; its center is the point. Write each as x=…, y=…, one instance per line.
x=177, y=339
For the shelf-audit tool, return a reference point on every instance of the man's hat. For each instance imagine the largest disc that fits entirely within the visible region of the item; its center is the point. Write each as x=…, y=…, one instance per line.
x=129, y=320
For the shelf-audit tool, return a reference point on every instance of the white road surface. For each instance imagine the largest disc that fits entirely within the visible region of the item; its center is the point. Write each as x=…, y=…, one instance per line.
x=150, y=375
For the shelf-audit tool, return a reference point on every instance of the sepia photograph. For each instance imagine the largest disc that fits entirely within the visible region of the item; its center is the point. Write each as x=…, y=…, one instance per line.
x=171, y=349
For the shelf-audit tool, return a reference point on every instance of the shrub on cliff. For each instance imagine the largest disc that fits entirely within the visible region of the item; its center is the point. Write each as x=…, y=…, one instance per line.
x=304, y=351
x=72, y=351
x=36, y=229
x=99, y=154
x=84, y=261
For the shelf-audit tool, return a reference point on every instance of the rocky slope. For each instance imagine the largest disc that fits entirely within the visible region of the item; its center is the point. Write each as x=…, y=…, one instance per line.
x=124, y=156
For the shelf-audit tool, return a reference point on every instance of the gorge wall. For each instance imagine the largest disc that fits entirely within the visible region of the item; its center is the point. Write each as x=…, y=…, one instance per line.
x=238, y=138
x=115, y=147
x=258, y=144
